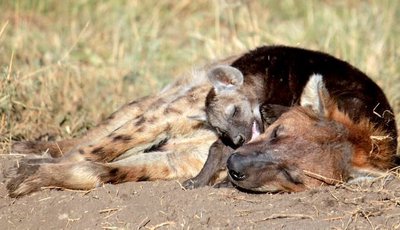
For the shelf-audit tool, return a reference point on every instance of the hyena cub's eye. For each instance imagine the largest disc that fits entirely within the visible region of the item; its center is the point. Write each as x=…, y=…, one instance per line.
x=232, y=111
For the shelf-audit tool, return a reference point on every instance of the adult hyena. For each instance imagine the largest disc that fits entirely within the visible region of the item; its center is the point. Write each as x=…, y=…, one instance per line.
x=255, y=89
x=312, y=145
x=147, y=139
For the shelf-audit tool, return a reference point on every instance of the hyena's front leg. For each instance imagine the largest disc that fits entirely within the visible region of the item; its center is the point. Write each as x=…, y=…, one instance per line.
x=216, y=162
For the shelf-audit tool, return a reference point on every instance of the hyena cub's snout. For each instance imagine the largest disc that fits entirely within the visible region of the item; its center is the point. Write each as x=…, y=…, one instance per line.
x=239, y=140
x=233, y=135
x=253, y=129
x=238, y=134
x=250, y=132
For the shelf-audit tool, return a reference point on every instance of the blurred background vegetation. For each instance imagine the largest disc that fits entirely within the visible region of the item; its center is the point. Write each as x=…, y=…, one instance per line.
x=65, y=65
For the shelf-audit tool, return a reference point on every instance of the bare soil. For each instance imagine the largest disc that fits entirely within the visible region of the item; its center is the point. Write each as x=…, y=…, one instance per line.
x=165, y=205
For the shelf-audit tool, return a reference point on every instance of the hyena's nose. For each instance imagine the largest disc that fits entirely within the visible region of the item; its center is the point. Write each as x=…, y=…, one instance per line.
x=239, y=140
x=235, y=168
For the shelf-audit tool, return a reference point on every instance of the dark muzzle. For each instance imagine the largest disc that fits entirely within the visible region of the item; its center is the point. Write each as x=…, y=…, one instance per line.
x=235, y=167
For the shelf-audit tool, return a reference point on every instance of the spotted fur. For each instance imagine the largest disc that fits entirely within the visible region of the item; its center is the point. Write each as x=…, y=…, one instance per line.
x=148, y=139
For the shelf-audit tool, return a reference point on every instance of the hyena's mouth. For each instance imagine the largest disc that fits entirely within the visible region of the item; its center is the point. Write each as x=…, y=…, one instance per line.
x=255, y=131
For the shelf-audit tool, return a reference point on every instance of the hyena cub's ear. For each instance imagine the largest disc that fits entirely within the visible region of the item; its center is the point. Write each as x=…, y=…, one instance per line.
x=225, y=78
x=315, y=95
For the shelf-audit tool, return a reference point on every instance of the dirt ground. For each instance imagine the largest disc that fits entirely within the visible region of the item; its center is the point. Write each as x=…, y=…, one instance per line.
x=165, y=205
x=66, y=65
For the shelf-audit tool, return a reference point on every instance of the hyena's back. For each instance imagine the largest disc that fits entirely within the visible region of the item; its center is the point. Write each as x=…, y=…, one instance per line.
x=183, y=97
x=114, y=121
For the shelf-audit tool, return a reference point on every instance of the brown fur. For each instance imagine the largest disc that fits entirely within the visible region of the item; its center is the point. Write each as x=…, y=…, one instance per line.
x=278, y=75
x=308, y=147
x=251, y=93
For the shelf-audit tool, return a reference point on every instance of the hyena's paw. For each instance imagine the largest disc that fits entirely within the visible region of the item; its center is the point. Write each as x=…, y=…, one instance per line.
x=192, y=183
x=23, y=180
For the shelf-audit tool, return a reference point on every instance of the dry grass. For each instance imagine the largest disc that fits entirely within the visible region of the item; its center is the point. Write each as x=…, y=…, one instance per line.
x=65, y=65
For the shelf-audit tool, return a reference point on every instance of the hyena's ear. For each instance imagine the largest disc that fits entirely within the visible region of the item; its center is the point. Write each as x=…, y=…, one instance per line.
x=315, y=95
x=225, y=78
x=271, y=112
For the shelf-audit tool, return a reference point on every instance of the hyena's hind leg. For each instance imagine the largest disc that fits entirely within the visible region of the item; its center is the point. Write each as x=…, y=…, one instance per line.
x=28, y=178
x=85, y=175
x=126, y=113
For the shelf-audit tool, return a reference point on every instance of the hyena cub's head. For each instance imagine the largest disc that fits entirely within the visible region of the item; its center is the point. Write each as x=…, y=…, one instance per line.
x=231, y=108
